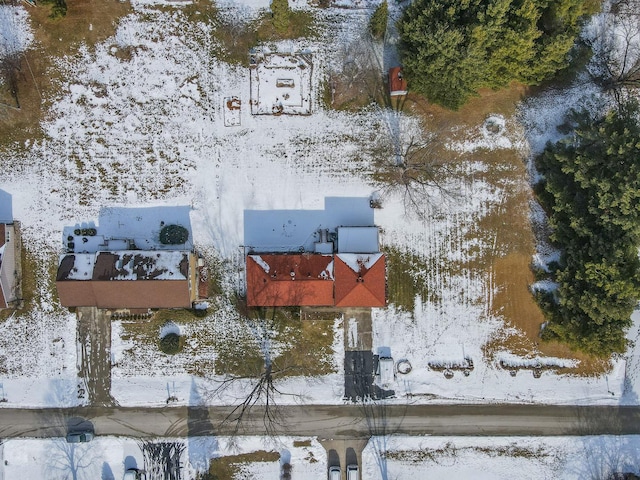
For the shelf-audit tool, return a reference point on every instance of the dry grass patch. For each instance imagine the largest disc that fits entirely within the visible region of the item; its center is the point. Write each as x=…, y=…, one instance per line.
x=230, y=466
x=472, y=114
x=406, y=278
x=86, y=21
x=301, y=347
x=506, y=231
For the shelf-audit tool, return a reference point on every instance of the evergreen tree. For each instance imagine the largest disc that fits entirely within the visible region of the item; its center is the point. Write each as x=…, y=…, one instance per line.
x=452, y=48
x=592, y=186
x=281, y=15
x=378, y=22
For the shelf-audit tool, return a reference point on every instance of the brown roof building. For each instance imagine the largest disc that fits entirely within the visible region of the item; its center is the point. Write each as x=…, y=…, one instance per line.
x=128, y=279
x=134, y=258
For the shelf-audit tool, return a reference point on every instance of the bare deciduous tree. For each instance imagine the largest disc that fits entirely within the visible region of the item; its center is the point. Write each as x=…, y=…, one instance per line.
x=162, y=460
x=70, y=460
x=615, y=42
x=260, y=386
x=414, y=168
x=14, y=39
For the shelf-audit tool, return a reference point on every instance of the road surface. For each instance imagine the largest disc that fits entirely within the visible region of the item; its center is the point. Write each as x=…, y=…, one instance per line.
x=329, y=422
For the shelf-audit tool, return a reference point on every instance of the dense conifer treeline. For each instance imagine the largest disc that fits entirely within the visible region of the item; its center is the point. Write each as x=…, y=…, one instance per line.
x=452, y=48
x=592, y=193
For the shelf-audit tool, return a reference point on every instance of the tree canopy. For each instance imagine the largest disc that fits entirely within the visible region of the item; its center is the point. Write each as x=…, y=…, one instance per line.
x=281, y=12
x=452, y=48
x=378, y=21
x=592, y=194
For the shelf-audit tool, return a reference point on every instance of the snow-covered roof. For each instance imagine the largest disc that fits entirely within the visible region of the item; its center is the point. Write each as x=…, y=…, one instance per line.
x=124, y=228
x=125, y=265
x=6, y=207
x=358, y=240
x=297, y=230
x=359, y=262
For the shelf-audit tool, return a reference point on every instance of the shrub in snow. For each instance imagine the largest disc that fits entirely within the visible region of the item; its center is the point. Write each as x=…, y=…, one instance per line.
x=171, y=339
x=173, y=235
x=171, y=343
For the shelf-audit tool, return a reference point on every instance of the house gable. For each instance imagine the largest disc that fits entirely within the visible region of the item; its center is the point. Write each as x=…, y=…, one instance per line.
x=360, y=280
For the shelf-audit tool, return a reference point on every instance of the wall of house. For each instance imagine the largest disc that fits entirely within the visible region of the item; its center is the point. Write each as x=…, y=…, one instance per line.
x=193, y=277
x=8, y=267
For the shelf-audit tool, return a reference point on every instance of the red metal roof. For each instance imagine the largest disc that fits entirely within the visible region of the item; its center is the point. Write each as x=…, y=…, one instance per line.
x=363, y=288
x=289, y=280
x=279, y=280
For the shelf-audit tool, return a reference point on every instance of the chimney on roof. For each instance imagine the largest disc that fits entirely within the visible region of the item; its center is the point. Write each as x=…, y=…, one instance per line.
x=293, y=275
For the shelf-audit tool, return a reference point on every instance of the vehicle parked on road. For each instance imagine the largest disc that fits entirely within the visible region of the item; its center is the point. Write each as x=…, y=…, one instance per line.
x=352, y=472
x=335, y=473
x=79, y=437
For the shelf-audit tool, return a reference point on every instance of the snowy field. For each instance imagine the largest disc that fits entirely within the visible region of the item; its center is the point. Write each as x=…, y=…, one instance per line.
x=149, y=129
x=555, y=458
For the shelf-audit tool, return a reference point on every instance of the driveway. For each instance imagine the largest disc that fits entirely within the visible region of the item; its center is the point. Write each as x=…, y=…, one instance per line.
x=359, y=361
x=94, y=354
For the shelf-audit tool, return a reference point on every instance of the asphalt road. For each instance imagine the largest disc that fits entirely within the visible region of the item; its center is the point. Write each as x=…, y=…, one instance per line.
x=329, y=422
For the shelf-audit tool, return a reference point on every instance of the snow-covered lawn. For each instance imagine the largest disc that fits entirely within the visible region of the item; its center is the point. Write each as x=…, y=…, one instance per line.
x=140, y=120
x=561, y=458
x=108, y=458
x=148, y=128
x=392, y=458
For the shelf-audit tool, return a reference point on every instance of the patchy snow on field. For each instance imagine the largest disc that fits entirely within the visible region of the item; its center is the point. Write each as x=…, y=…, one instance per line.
x=140, y=120
x=557, y=458
x=108, y=458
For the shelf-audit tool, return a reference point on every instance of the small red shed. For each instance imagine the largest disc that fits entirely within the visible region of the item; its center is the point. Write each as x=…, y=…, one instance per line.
x=397, y=83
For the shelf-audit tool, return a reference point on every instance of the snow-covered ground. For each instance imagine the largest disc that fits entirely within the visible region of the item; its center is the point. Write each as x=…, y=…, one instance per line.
x=148, y=128
x=500, y=457
x=384, y=458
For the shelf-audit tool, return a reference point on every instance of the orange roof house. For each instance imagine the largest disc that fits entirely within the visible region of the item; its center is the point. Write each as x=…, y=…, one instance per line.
x=397, y=82
x=315, y=258
x=289, y=279
x=360, y=280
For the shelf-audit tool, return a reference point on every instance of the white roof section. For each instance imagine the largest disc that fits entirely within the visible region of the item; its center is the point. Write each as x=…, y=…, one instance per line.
x=6, y=207
x=358, y=240
x=297, y=230
x=82, y=266
x=124, y=228
x=355, y=261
